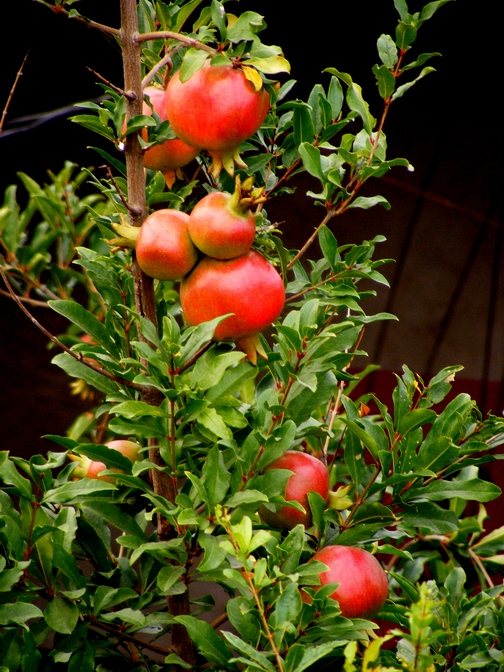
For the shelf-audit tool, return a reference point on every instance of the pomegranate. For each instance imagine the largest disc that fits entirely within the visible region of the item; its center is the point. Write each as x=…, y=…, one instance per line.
x=248, y=286
x=310, y=475
x=221, y=226
x=88, y=468
x=164, y=249
x=171, y=155
x=363, y=583
x=216, y=109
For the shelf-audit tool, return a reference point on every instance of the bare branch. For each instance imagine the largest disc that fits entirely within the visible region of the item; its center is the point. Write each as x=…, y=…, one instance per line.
x=16, y=80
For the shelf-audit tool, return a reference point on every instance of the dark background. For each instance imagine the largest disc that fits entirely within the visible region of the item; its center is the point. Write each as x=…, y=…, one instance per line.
x=444, y=229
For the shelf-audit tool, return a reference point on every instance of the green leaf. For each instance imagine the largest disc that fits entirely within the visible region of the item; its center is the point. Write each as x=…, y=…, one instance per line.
x=207, y=641
x=366, y=202
x=311, y=159
x=168, y=580
x=94, y=124
x=415, y=418
x=61, y=615
x=402, y=8
x=300, y=657
x=76, y=369
x=18, y=612
x=219, y=18
x=287, y=607
x=10, y=475
x=106, y=597
x=432, y=517
x=405, y=35
x=385, y=80
x=249, y=653
x=214, y=554
x=303, y=124
x=402, y=89
x=335, y=97
x=114, y=516
x=76, y=489
x=193, y=61
x=9, y=578
x=357, y=103
x=387, y=51
x=216, y=478
x=211, y=420
x=473, y=490
x=430, y=8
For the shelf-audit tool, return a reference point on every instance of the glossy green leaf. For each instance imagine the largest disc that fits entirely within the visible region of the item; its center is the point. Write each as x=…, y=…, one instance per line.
x=473, y=489
x=401, y=90
x=304, y=131
x=18, y=612
x=207, y=641
x=61, y=615
x=366, y=202
x=357, y=103
x=250, y=655
x=76, y=369
x=432, y=517
x=193, y=61
x=216, y=478
x=311, y=159
x=387, y=51
x=385, y=80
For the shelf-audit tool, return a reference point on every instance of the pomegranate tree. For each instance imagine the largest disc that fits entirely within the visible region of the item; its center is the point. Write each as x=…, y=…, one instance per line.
x=216, y=109
x=101, y=576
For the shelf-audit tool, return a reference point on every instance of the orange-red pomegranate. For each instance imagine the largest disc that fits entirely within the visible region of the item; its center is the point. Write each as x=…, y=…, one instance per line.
x=164, y=249
x=363, y=583
x=216, y=109
x=219, y=228
x=248, y=286
x=310, y=475
x=172, y=154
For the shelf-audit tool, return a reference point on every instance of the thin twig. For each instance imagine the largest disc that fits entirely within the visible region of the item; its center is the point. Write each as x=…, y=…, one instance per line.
x=26, y=299
x=82, y=19
x=169, y=35
x=131, y=638
x=11, y=94
x=117, y=89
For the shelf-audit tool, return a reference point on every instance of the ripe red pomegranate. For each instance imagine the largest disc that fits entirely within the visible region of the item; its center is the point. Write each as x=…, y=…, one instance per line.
x=220, y=228
x=248, y=286
x=172, y=154
x=310, y=475
x=164, y=249
x=88, y=468
x=363, y=583
x=216, y=109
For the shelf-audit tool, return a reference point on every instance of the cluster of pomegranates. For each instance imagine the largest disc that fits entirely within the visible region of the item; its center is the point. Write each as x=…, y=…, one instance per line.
x=229, y=279
x=216, y=109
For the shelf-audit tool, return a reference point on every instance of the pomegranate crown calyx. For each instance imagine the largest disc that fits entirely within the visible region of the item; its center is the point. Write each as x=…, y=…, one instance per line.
x=244, y=196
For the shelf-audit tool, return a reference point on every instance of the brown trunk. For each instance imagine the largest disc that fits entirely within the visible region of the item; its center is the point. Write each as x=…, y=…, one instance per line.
x=144, y=292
